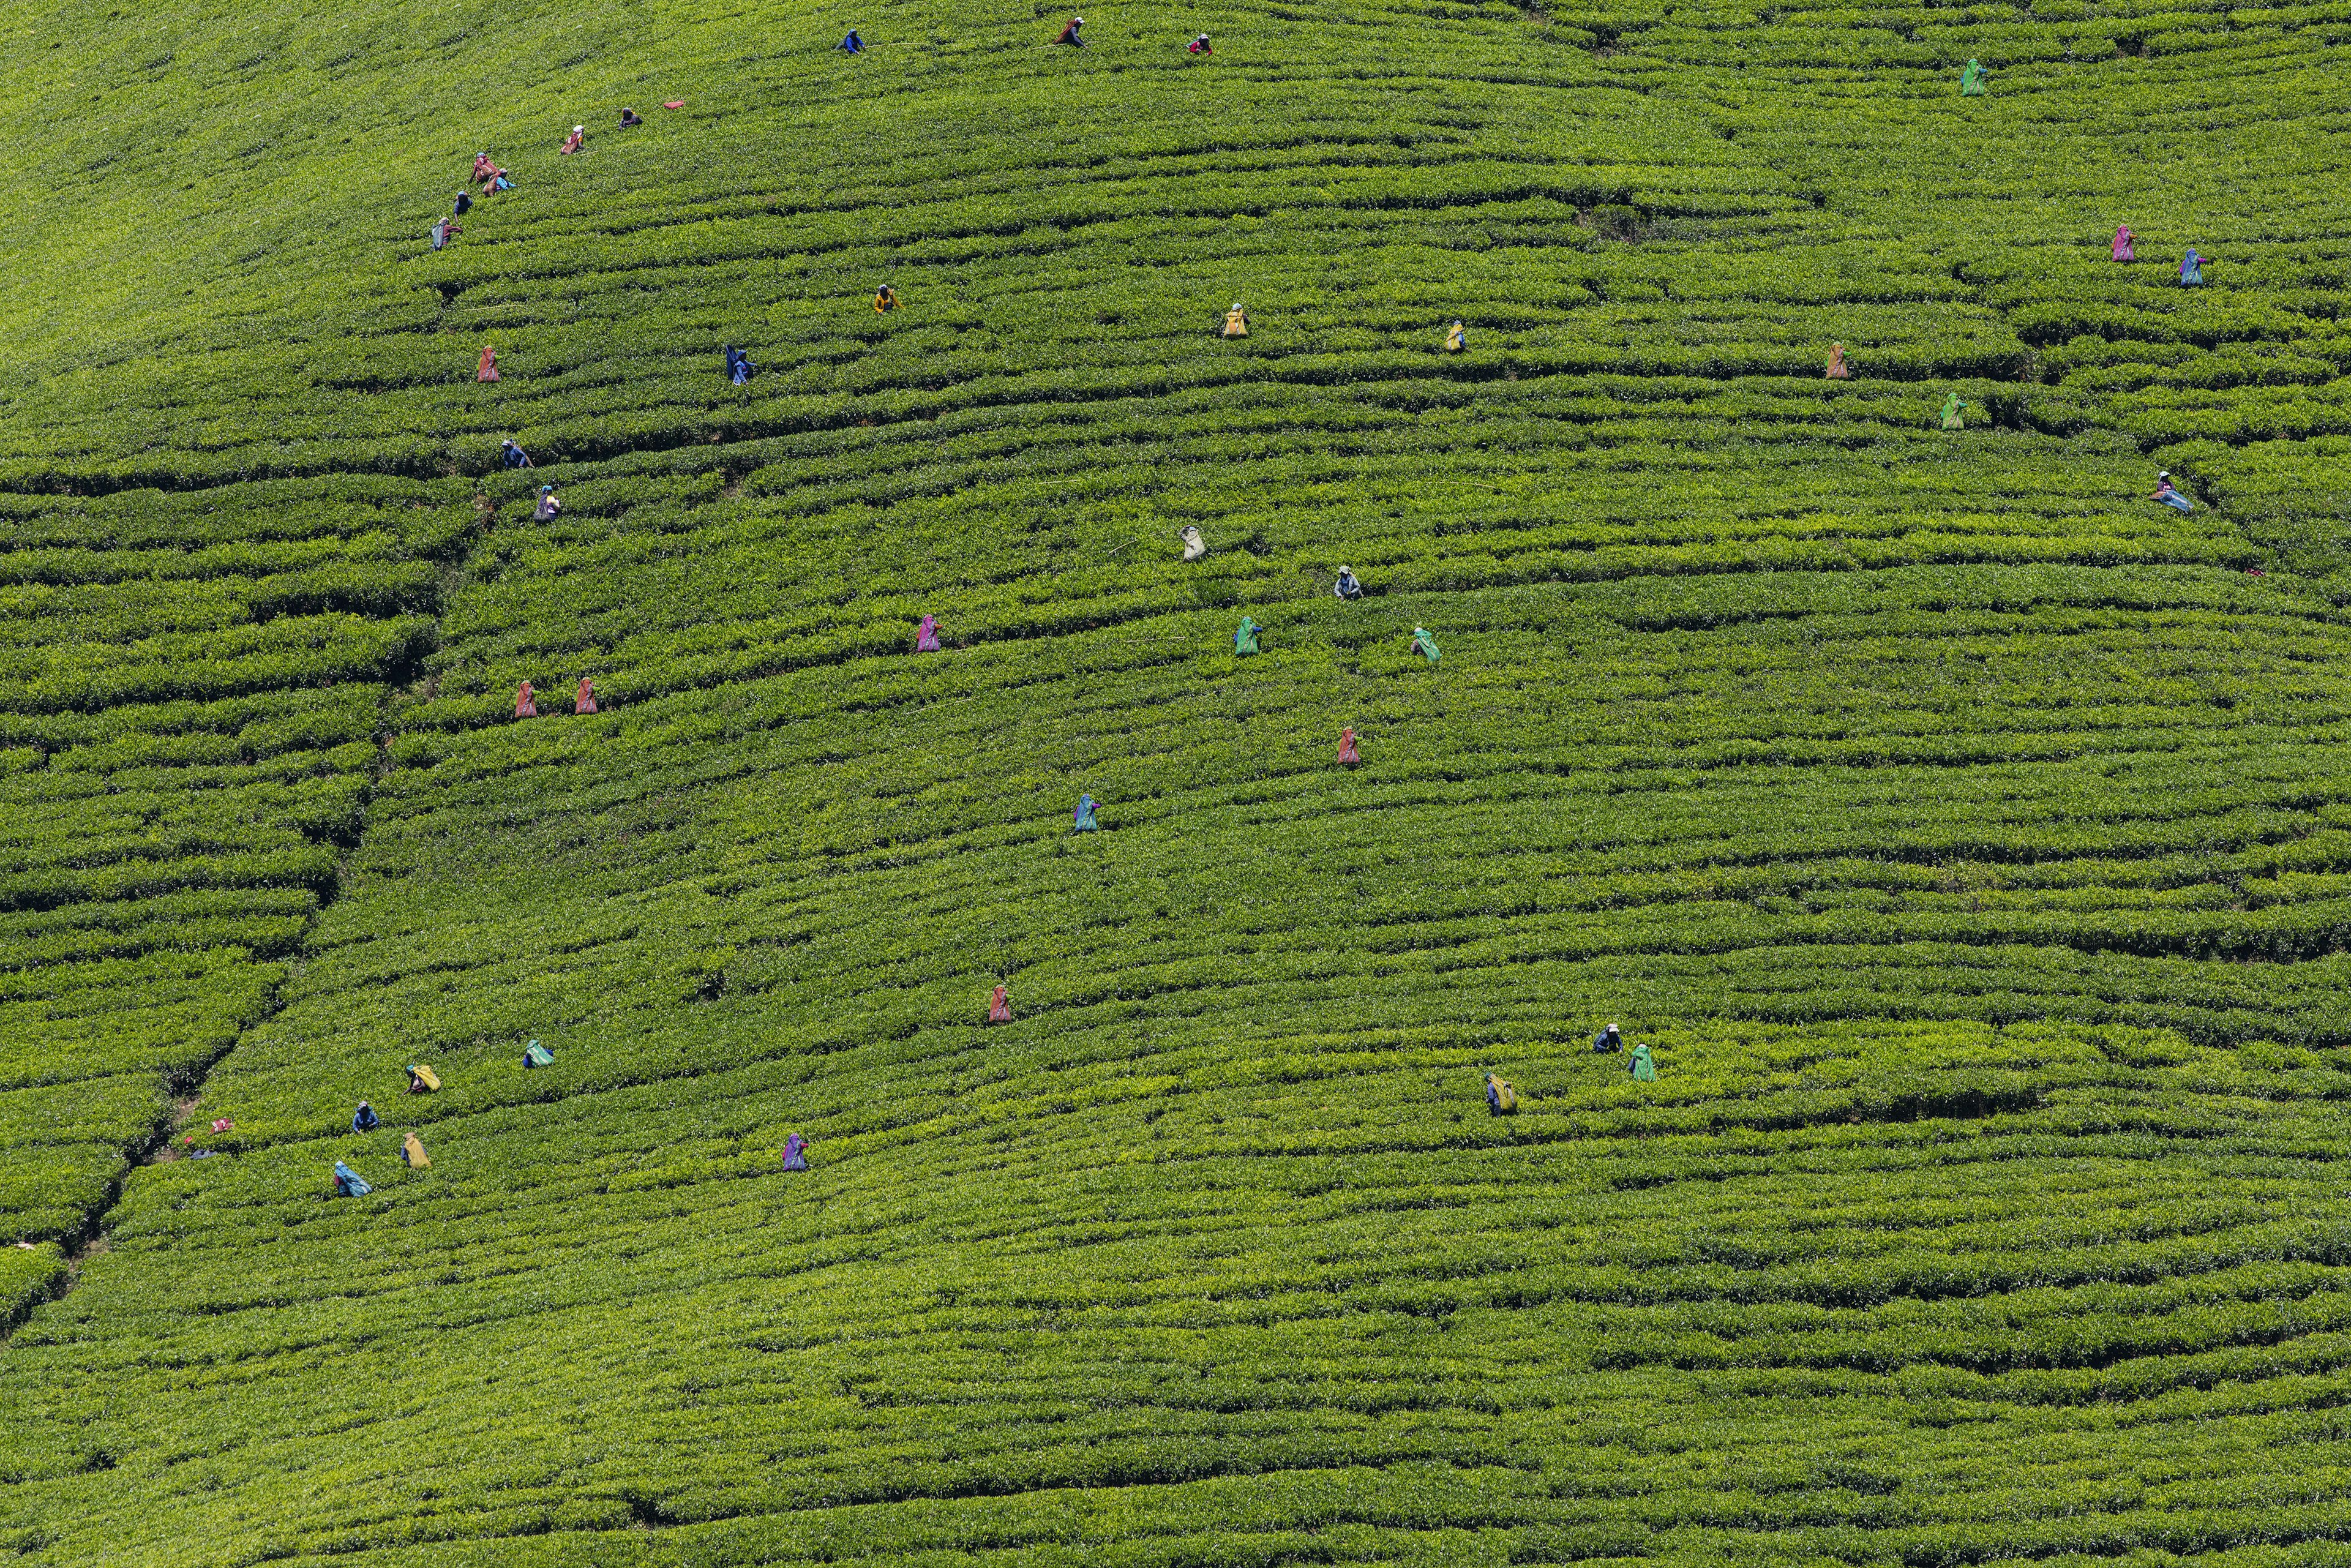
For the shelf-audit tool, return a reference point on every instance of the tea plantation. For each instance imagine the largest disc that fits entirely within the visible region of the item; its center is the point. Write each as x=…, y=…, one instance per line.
x=1969, y=834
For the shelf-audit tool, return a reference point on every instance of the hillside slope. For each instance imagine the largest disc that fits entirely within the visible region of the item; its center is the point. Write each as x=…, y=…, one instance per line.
x=1966, y=833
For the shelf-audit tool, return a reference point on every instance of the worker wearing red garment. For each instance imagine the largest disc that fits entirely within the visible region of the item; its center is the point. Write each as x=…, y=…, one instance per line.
x=1199, y=45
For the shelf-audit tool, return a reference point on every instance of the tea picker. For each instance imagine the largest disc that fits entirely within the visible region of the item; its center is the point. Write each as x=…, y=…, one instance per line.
x=1501, y=1100
x=999, y=1006
x=630, y=120
x=1347, y=587
x=585, y=701
x=511, y=456
x=488, y=371
x=795, y=1152
x=1236, y=321
x=1245, y=639
x=1082, y=819
x=2165, y=493
x=422, y=1081
x=926, y=635
x=1070, y=34
x=1199, y=45
x=1952, y=407
x=1424, y=644
x=526, y=702
x=461, y=205
x=364, y=1119
x=1973, y=80
x=1194, y=547
x=412, y=1151
x=545, y=512
x=1838, y=369
x=739, y=368
x=2122, y=248
x=1457, y=338
x=571, y=142
x=2191, y=269
x=850, y=44
x=1348, y=757
x=885, y=298
x=1608, y=1040
x=1641, y=1067
x=537, y=1055
x=348, y=1183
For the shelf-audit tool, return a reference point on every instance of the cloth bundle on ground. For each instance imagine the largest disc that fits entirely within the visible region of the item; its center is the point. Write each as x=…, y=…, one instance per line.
x=1245, y=639
x=1424, y=644
x=412, y=1151
x=545, y=512
x=221, y=1123
x=488, y=371
x=1973, y=79
x=1838, y=369
x=2191, y=269
x=999, y=1006
x=1456, y=339
x=1347, y=587
x=585, y=702
x=1643, y=1070
x=795, y=1152
x=926, y=635
x=1236, y=321
x=1347, y=758
x=2123, y=251
x=1083, y=818
x=739, y=368
x=885, y=298
x=526, y=702
x=512, y=456
x=348, y=1183
x=1194, y=547
x=364, y=1119
x=537, y=1055
x=1608, y=1040
x=852, y=43
x=2168, y=496
x=1953, y=407
x=1501, y=1100
x=423, y=1080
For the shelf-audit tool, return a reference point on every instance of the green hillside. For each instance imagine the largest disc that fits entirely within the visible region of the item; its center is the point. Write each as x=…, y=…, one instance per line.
x=1969, y=834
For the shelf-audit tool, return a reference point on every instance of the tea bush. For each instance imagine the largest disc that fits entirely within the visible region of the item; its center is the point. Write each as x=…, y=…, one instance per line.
x=1965, y=832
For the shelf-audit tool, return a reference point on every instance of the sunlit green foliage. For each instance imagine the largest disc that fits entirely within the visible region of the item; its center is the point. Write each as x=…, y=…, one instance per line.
x=1966, y=832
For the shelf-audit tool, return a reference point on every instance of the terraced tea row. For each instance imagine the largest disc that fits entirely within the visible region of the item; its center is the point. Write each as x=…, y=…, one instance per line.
x=190, y=691
x=1965, y=831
